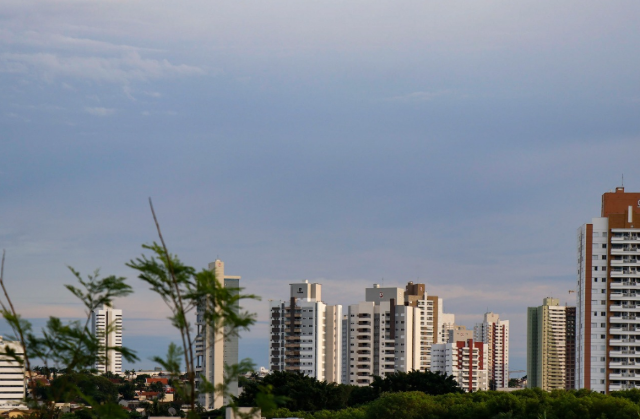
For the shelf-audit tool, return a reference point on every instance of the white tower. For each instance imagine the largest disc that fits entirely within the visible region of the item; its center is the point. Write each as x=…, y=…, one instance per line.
x=213, y=350
x=106, y=325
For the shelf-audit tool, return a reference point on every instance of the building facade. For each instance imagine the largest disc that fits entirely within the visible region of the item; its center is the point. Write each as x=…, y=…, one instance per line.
x=495, y=333
x=12, y=377
x=463, y=358
x=216, y=348
x=306, y=334
x=106, y=325
x=383, y=335
x=546, y=345
x=607, y=309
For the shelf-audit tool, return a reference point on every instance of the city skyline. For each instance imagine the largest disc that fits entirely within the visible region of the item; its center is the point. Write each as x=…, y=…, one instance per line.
x=459, y=145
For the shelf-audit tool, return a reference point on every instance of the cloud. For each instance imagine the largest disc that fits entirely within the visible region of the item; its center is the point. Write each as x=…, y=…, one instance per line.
x=123, y=69
x=98, y=111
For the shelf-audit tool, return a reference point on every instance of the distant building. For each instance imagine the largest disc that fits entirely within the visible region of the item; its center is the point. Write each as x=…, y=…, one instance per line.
x=306, y=334
x=463, y=358
x=570, y=339
x=547, y=345
x=382, y=334
x=12, y=373
x=216, y=348
x=393, y=330
x=495, y=333
x=106, y=325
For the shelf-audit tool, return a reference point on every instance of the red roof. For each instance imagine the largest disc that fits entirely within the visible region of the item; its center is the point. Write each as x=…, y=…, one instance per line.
x=164, y=381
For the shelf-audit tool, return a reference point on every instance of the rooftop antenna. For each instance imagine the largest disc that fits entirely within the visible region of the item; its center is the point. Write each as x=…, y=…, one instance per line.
x=623, y=180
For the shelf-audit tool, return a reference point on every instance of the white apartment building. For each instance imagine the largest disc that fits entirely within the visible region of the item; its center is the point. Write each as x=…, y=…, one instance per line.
x=383, y=335
x=393, y=330
x=607, y=307
x=306, y=334
x=106, y=325
x=216, y=348
x=463, y=358
x=12, y=377
x=495, y=333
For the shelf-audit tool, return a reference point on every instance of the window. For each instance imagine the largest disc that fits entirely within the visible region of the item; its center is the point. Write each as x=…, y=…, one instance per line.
x=595, y=313
x=594, y=257
x=595, y=279
x=604, y=234
x=604, y=279
x=603, y=314
x=603, y=325
x=604, y=268
x=602, y=337
x=602, y=358
x=603, y=292
x=604, y=246
x=603, y=302
x=595, y=268
x=604, y=257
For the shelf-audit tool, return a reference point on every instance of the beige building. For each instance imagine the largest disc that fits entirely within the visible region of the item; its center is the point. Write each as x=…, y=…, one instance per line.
x=216, y=348
x=546, y=345
x=306, y=334
x=495, y=333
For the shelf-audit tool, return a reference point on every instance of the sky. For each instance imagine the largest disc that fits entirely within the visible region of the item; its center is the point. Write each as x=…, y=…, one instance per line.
x=460, y=144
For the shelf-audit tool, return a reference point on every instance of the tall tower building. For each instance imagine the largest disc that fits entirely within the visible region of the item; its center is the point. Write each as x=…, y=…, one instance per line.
x=106, y=325
x=216, y=348
x=570, y=375
x=608, y=312
x=306, y=334
x=546, y=345
x=495, y=333
x=382, y=336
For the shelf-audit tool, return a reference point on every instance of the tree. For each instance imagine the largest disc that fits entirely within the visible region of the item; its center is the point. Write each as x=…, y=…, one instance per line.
x=183, y=289
x=70, y=346
x=425, y=381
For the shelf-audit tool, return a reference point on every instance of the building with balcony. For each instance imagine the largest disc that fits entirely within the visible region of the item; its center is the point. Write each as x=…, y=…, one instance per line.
x=216, y=347
x=306, y=334
x=106, y=325
x=608, y=296
x=547, y=345
x=463, y=358
x=495, y=333
x=393, y=330
x=12, y=376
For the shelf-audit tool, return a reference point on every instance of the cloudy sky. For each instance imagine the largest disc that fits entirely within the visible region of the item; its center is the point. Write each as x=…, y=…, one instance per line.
x=456, y=143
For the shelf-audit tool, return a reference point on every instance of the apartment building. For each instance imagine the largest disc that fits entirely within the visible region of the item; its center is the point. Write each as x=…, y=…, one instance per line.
x=464, y=358
x=306, y=334
x=12, y=377
x=495, y=333
x=608, y=308
x=106, y=325
x=216, y=348
x=547, y=345
x=570, y=351
x=383, y=335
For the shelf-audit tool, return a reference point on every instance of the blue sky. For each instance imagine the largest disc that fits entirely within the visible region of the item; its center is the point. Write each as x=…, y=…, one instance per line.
x=459, y=144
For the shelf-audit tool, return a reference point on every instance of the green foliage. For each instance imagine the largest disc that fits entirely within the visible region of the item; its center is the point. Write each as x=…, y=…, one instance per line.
x=80, y=388
x=183, y=289
x=127, y=390
x=425, y=381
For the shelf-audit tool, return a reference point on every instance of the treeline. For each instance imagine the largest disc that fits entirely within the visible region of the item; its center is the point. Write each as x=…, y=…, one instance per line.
x=414, y=396
x=295, y=391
